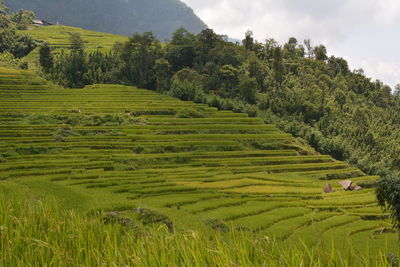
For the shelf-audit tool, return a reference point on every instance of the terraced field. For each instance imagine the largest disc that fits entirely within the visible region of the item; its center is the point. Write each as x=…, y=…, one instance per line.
x=58, y=36
x=117, y=148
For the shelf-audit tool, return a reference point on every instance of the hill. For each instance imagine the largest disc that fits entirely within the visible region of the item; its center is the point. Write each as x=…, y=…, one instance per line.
x=123, y=17
x=120, y=148
x=59, y=37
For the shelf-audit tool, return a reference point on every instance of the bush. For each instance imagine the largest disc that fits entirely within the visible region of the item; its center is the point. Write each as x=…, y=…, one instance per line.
x=9, y=58
x=186, y=90
x=388, y=193
x=17, y=44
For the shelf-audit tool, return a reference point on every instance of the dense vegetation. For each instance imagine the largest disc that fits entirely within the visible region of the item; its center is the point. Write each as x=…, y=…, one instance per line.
x=15, y=44
x=123, y=17
x=313, y=96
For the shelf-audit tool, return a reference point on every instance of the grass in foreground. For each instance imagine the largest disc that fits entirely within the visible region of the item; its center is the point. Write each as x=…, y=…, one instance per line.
x=38, y=233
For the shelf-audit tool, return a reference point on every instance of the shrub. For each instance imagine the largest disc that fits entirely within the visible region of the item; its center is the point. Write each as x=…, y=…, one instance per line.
x=17, y=44
x=186, y=90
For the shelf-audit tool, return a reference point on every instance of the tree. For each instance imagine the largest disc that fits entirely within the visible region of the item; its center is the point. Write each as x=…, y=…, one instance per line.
x=229, y=76
x=77, y=43
x=310, y=50
x=290, y=47
x=182, y=37
x=46, y=58
x=163, y=72
x=388, y=193
x=186, y=85
x=258, y=70
x=248, y=41
x=397, y=90
x=3, y=8
x=139, y=56
x=338, y=65
x=23, y=18
x=226, y=54
x=270, y=45
x=17, y=44
x=278, y=66
x=5, y=18
x=205, y=42
x=180, y=52
x=248, y=89
x=320, y=53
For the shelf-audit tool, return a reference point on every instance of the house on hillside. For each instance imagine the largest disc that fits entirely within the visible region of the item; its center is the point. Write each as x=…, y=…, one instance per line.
x=41, y=23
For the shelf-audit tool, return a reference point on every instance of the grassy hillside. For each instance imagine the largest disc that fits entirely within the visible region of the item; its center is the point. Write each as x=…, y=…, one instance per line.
x=61, y=238
x=59, y=37
x=123, y=17
x=111, y=147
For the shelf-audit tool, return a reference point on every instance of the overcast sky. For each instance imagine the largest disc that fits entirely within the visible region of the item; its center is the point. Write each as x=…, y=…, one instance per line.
x=365, y=32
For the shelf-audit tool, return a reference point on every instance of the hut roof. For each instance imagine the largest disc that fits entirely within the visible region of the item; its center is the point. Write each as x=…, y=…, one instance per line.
x=346, y=184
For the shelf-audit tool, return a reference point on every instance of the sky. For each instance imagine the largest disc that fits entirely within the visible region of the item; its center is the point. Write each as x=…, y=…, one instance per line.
x=364, y=32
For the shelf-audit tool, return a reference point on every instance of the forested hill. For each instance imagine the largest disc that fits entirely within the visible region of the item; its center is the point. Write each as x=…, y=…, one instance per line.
x=124, y=17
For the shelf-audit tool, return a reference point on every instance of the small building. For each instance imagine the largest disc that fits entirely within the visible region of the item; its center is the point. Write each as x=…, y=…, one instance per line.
x=41, y=23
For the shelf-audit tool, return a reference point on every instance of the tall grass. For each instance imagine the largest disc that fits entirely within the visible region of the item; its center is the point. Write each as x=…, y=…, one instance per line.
x=38, y=233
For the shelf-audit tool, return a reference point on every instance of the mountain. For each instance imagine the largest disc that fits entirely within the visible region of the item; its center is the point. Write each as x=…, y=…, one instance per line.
x=123, y=17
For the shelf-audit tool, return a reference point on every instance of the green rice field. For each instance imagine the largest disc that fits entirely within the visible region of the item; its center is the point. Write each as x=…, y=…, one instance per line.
x=118, y=148
x=58, y=36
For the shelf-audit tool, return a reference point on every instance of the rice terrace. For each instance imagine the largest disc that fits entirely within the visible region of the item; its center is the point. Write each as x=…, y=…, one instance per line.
x=110, y=146
x=98, y=171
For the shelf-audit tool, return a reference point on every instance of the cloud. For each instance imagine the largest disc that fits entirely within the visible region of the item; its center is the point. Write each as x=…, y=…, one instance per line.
x=324, y=20
x=386, y=71
x=364, y=29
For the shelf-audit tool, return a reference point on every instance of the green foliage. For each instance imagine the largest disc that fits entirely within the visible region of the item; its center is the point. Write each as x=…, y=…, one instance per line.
x=229, y=77
x=78, y=68
x=5, y=19
x=186, y=90
x=187, y=85
x=23, y=18
x=20, y=19
x=278, y=66
x=138, y=57
x=77, y=43
x=248, y=88
x=181, y=52
x=320, y=53
x=17, y=44
x=388, y=193
x=46, y=60
x=163, y=72
x=10, y=60
x=248, y=42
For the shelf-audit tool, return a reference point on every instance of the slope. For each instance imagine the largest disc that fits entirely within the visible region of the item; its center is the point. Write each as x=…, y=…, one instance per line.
x=114, y=147
x=124, y=17
x=59, y=37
